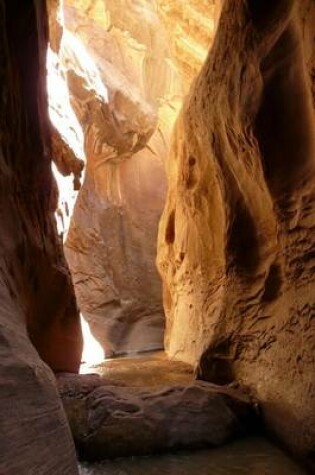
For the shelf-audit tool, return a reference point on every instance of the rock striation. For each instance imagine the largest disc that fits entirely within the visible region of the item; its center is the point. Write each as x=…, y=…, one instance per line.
x=236, y=239
x=39, y=321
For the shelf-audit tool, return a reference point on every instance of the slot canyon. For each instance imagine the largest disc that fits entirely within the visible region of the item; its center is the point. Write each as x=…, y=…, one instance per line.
x=157, y=201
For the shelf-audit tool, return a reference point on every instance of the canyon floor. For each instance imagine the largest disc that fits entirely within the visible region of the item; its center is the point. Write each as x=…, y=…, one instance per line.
x=252, y=454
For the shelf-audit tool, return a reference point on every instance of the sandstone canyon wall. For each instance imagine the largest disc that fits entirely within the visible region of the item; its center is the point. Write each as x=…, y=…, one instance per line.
x=111, y=241
x=127, y=65
x=38, y=316
x=236, y=239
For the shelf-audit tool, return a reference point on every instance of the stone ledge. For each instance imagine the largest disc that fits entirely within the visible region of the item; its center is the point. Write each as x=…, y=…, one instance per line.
x=108, y=420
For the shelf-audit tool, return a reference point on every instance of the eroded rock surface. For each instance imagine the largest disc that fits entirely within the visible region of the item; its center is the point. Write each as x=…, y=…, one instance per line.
x=124, y=63
x=236, y=240
x=38, y=314
x=111, y=241
x=110, y=420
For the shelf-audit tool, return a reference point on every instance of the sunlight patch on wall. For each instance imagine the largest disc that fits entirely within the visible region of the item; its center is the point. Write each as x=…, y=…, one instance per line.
x=67, y=134
x=60, y=110
x=93, y=353
x=83, y=64
x=66, y=201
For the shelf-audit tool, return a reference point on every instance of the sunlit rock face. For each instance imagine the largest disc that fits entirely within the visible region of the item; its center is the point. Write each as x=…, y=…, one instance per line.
x=38, y=314
x=124, y=65
x=191, y=27
x=236, y=240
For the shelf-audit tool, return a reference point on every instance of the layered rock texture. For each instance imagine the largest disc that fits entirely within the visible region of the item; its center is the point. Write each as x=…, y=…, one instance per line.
x=111, y=419
x=39, y=321
x=236, y=240
x=127, y=65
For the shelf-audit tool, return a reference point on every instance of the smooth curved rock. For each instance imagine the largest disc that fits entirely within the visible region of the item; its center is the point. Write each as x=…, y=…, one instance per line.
x=236, y=240
x=38, y=314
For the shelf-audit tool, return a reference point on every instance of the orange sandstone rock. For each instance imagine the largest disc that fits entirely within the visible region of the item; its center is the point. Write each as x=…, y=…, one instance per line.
x=236, y=239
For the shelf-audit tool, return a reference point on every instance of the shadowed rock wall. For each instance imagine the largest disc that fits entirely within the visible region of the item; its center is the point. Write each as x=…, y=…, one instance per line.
x=37, y=299
x=236, y=239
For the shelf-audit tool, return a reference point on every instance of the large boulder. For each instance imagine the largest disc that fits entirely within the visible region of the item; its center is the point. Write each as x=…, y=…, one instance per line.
x=109, y=420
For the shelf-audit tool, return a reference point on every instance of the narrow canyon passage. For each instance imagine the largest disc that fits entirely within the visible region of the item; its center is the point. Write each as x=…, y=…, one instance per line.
x=157, y=206
x=114, y=94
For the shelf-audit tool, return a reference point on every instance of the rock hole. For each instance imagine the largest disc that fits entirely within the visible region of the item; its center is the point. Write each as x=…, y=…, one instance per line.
x=191, y=180
x=273, y=283
x=242, y=241
x=216, y=364
x=192, y=161
x=170, y=229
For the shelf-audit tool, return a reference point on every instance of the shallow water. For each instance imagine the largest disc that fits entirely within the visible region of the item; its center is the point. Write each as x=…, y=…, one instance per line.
x=251, y=456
